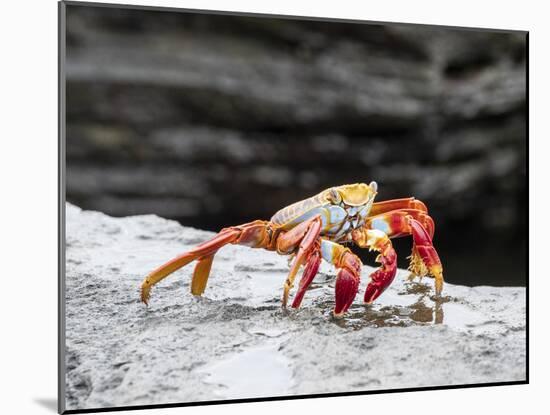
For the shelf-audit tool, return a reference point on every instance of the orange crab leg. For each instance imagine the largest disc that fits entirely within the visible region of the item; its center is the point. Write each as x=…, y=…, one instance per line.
x=201, y=273
x=417, y=223
x=394, y=204
x=254, y=234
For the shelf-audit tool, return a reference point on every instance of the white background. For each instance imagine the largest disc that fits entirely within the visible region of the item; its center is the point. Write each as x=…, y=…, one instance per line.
x=28, y=183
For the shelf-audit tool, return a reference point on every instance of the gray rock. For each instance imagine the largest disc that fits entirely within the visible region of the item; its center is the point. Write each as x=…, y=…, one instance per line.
x=237, y=342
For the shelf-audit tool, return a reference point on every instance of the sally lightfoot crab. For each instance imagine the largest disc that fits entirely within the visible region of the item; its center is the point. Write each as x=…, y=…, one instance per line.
x=318, y=228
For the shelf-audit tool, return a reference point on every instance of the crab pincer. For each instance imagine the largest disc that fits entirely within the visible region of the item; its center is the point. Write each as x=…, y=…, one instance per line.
x=347, y=282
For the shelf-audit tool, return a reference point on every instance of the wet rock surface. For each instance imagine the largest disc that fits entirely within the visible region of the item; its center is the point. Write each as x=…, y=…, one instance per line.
x=237, y=342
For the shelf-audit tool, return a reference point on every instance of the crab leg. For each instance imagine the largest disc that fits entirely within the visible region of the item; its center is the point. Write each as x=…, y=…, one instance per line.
x=254, y=234
x=394, y=204
x=424, y=258
x=201, y=273
x=395, y=223
x=310, y=270
x=305, y=236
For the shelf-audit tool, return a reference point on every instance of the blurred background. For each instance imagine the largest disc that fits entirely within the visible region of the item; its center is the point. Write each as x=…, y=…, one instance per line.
x=218, y=120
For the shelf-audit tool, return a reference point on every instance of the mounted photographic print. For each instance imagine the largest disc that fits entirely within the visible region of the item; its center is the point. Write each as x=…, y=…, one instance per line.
x=260, y=207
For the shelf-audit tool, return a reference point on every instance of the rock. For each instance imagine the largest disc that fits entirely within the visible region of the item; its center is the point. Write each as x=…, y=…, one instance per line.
x=166, y=111
x=237, y=342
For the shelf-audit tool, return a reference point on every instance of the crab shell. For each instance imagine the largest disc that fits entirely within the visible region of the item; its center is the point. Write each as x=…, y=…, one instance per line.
x=342, y=208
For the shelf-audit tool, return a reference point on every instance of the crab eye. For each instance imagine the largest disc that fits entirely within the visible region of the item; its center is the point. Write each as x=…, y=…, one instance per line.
x=374, y=186
x=334, y=196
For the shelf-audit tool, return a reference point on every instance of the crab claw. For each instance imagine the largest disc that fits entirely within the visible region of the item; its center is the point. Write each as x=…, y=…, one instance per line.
x=347, y=286
x=347, y=283
x=381, y=278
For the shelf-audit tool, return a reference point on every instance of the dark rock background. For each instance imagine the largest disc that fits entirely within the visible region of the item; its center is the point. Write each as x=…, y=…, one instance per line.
x=217, y=120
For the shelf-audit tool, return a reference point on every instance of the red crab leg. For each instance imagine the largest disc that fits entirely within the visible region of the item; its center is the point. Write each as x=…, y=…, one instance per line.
x=394, y=204
x=380, y=279
x=395, y=222
x=305, y=235
x=424, y=249
x=254, y=234
x=417, y=223
x=310, y=270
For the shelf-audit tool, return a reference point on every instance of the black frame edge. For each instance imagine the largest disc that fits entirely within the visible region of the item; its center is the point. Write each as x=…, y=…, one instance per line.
x=291, y=397
x=61, y=365
x=278, y=16
x=527, y=53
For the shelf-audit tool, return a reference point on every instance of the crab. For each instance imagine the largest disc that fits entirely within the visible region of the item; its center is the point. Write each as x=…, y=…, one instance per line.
x=319, y=228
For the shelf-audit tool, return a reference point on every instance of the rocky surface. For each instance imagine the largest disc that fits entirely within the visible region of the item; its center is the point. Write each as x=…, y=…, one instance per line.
x=237, y=342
